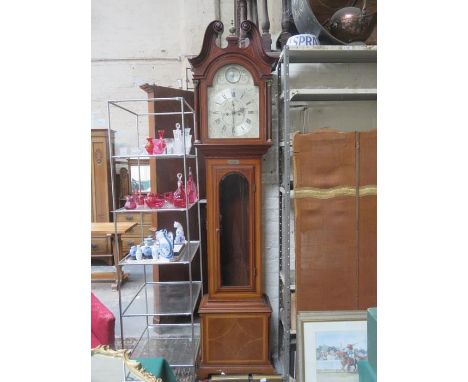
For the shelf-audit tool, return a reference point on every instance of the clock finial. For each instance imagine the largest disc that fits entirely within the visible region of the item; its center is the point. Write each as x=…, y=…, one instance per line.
x=232, y=29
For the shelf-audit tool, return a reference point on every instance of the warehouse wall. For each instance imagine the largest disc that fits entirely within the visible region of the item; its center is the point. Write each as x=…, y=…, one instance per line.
x=148, y=41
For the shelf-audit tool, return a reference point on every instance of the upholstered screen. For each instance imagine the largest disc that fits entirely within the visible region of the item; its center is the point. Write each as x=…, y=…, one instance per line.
x=335, y=221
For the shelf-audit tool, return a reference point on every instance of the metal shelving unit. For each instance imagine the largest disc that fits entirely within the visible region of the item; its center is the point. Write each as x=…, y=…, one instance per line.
x=285, y=97
x=177, y=342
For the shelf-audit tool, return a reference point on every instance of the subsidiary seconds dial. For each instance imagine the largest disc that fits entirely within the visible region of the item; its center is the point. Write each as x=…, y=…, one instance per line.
x=233, y=104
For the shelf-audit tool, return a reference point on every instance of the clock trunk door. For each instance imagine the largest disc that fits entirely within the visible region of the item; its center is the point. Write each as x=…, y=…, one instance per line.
x=233, y=221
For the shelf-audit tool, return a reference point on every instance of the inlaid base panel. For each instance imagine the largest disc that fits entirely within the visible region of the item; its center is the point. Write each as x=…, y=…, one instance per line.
x=234, y=342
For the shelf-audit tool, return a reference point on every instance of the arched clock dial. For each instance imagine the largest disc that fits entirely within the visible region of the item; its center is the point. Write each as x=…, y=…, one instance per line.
x=233, y=104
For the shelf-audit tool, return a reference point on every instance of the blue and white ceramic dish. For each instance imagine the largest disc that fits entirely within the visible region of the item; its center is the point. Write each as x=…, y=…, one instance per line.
x=303, y=40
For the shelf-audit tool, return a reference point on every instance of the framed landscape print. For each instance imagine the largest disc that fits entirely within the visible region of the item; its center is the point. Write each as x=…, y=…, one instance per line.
x=330, y=344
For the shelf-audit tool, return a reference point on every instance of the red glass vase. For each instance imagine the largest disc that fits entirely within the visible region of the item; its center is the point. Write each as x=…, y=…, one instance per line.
x=149, y=146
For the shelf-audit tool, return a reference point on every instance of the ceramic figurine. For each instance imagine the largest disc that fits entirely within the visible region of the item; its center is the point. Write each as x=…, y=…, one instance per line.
x=147, y=252
x=166, y=246
x=149, y=146
x=155, y=250
x=149, y=241
x=179, y=236
x=130, y=203
x=138, y=253
x=133, y=250
x=192, y=191
x=160, y=146
x=179, y=194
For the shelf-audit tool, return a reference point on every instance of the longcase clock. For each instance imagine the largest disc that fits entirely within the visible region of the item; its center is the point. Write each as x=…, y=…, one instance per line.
x=233, y=103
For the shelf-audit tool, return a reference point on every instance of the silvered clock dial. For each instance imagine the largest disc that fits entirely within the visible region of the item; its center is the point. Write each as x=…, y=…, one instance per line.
x=233, y=104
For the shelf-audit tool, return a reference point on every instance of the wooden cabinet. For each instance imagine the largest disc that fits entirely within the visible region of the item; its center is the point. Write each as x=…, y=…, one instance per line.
x=101, y=195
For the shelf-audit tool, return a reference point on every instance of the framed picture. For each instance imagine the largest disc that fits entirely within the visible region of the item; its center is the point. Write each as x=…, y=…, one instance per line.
x=330, y=344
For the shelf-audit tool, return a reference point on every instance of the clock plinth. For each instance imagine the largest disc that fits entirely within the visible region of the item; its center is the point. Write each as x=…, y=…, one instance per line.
x=235, y=337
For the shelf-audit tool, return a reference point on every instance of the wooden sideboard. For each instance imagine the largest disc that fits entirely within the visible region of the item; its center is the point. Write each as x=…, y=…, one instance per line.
x=114, y=248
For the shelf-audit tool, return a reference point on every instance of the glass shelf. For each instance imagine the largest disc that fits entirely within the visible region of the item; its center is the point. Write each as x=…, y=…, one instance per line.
x=163, y=299
x=172, y=342
x=153, y=156
x=188, y=253
x=145, y=209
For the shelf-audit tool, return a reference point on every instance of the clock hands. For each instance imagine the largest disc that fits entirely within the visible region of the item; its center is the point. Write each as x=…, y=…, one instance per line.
x=233, y=117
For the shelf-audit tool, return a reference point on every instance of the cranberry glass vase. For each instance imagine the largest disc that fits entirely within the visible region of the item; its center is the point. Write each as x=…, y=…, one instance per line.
x=191, y=188
x=139, y=198
x=130, y=203
x=160, y=145
x=179, y=194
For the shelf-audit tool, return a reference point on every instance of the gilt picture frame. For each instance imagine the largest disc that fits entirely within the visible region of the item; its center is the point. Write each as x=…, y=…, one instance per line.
x=330, y=345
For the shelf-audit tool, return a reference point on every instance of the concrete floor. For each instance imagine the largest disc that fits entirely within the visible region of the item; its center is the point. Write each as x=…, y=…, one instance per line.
x=133, y=326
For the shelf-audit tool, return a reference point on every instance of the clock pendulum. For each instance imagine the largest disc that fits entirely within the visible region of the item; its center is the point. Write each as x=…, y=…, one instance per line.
x=233, y=105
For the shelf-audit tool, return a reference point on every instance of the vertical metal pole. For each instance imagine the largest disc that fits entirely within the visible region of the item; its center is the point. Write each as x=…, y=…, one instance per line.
x=187, y=218
x=129, y=169
x=116, y=260
x=280, y=196
x=138, y=157
x=142, y=231
x=287, y=206
x=191, y=303
x=138, y=136
x=146, y=298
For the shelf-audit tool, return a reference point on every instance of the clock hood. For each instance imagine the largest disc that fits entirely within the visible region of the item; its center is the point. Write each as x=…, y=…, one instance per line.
x=210, y=51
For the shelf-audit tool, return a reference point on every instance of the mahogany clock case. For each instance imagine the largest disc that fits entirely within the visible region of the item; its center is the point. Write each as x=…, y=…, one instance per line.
x=235, y=314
